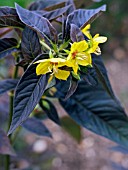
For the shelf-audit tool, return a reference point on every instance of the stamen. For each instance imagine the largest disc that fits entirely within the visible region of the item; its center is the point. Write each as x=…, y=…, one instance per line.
x=55, y=70
x=98, y=51
x=49, y=69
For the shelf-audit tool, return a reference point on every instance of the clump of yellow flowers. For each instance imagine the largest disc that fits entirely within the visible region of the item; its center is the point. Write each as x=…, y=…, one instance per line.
x=79, y=54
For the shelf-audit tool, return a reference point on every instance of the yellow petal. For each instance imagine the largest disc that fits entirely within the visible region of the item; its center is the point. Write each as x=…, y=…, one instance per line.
x=42, y=61
x=87, y=60
x=43, y=68
x=73, y=63
x=70, y=62
x=99, y=39
x=86, y=28
x=62, y=74
x=97, y=35
x=79, y=46
x=86, y=31
x=69, y=56
x=88, y=35
x=75, y=68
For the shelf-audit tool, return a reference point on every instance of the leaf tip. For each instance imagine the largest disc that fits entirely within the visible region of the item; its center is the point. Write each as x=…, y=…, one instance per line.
x=16, y=5
x=11, y=129
x=104, y=7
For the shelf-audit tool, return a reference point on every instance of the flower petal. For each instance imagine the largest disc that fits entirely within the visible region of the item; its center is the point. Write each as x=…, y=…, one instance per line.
x=87, y=60
x=42, y=61
x=86, y=28
x=69, y=58
x=73, y=63
x=75, y=68
x=43, y=68
x=86, y=31
x=99, y=39
x=69, y=62
x=62, y=74
x=79, y=46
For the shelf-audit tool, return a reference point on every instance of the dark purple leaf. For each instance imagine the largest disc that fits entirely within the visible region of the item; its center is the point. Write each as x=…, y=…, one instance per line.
x=92, y=108
x=36, y=126
x=51, y=15
x=55, y=6
x=28, y=93
x=30, y=45
x=5, y=31
x=72, y=88
x=92, y=14
x=40, y=5
x=7, y=45
x=5, y=146
x=101, y=78
x=8, y=84
x=37, y=22
x=75, y=34
x=72, y=7
x=89, y=76
x=9, y=17
x=83, y=17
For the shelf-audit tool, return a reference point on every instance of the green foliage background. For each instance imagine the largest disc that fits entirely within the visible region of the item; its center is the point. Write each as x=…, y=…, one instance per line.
x=23, y=3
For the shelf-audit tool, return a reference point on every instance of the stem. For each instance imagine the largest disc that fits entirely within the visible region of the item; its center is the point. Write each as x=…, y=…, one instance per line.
x=7, y=162
x=15, y=74
x=10, y=110
x=15, y=135
x=45, y=45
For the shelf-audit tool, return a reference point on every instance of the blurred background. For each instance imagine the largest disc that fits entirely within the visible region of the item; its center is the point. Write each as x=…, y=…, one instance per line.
x=84, y=150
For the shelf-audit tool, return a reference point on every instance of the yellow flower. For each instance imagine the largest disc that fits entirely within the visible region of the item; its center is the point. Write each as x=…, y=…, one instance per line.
x=86, y=30
x=52, y=66
x=94, y=43
x=77, y=56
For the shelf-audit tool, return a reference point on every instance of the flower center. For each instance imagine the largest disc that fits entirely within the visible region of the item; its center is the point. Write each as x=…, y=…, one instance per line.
x=54, y=63
x=74, y=54
x=54, y=67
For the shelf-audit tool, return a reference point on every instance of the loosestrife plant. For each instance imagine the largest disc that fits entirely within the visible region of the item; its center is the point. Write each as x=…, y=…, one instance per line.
x=63, y=64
